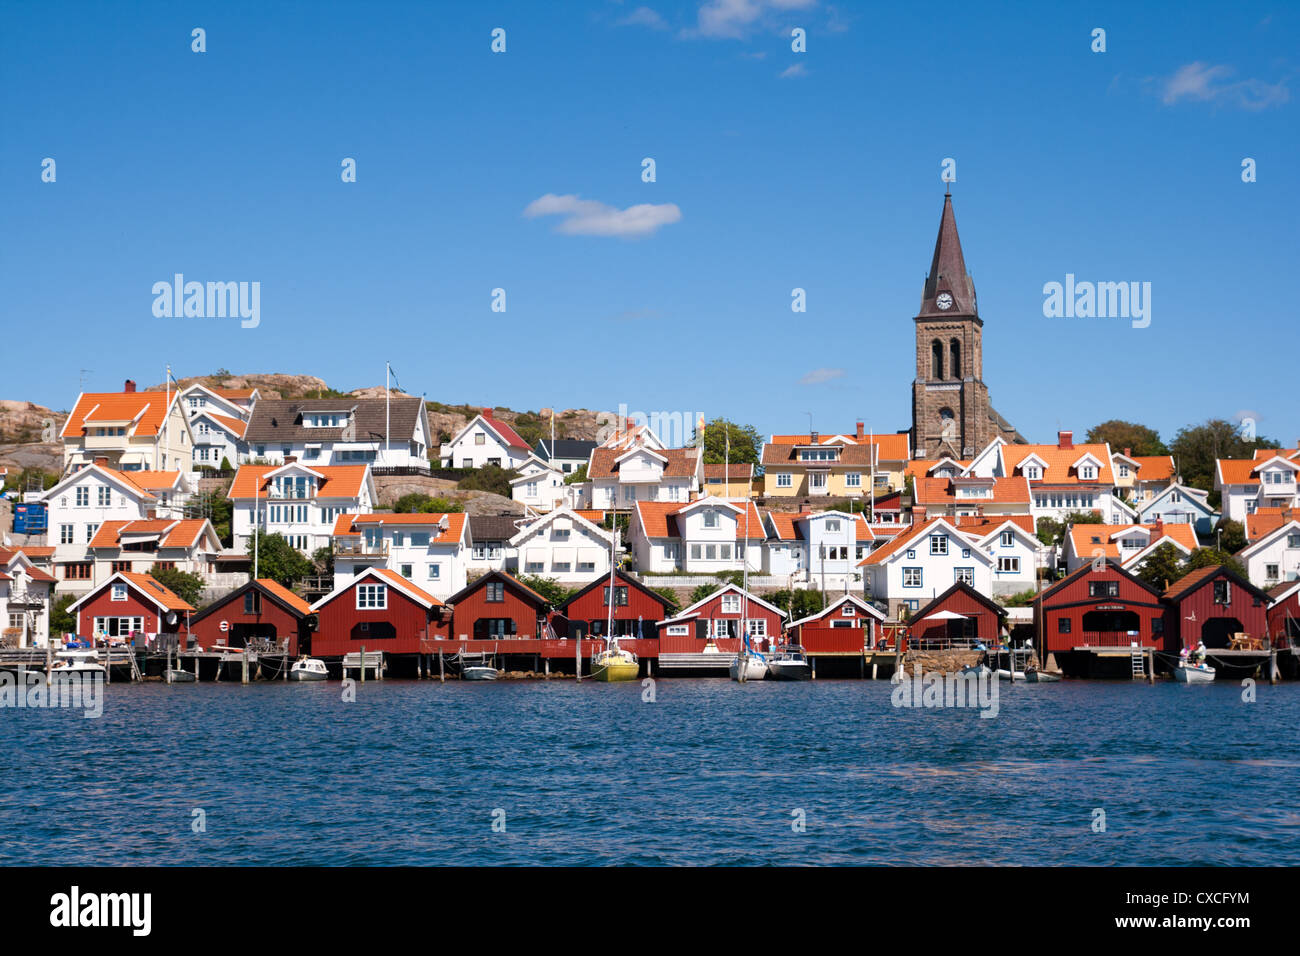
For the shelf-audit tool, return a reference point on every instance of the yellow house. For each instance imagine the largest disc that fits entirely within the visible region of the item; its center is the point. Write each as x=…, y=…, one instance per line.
x=134, y=431
x=728, y=481
x=840, y=466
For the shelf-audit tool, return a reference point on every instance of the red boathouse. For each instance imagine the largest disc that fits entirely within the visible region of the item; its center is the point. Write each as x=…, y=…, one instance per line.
x=718, y=617
x=1284, y=614
x=131, y=608
x=847, y=625
x=1098, y=608
x=381, y=611
x=959, y=617
x=1213, y=605
x=637, y=609
x=261, y=609
x=498, y=607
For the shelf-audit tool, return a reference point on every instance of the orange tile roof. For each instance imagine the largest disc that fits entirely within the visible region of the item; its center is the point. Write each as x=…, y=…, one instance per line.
x=1058, y=462
x=1263, y=454
x=93, y=407
x=1267, y=520
x=891, y=446
x=898, y=543
x=405, y=584
x=156, y=590
x=733, y=472
x=343, y=525
x=864, y=532
x=1189, y=581
x=176, y=533
x=236, y=426
x=982, y=525
x=1236, y=471
x=942, y=491
x=150, y=481
x=920, y=467
x=659, y=519
x=595, y=517
x=337, y=481
x=783, y=524
x=32, y=551
x=455, y=521
x=234, y=392
x=1082, y=537
x=1154, y=467
x=285, y=595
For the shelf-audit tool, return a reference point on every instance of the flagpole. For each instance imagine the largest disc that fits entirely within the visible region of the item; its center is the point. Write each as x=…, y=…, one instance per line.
x=387, y=405
x=167, y=391
x=871, y=492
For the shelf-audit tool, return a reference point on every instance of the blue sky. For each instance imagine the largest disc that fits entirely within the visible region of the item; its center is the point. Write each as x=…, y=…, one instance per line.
x=818, y=170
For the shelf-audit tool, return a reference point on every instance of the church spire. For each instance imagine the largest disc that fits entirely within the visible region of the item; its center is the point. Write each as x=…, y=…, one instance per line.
x=948, y=271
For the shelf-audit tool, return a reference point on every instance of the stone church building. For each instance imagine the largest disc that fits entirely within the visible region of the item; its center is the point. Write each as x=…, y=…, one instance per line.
x=951, y=412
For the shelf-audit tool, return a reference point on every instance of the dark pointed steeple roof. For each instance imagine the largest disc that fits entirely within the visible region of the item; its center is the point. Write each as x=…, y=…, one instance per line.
x=948, y=271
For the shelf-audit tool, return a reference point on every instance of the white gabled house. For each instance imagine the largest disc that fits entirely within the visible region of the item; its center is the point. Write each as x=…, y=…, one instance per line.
x=485, y=441
x=817, y=549
x=1267, y=481
x=1128, y=544
x=298, y=501
x=1178, y=504
x=1274, y=557
x=25, y=595
x=619, y=479
x=924, y=561
x=383, y=433
x=706, y=536
x=539, y=487
x=565, y=546
x=431, y=550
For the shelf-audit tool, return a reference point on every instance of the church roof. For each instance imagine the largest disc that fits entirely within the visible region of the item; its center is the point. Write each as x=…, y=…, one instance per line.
x=948, y=271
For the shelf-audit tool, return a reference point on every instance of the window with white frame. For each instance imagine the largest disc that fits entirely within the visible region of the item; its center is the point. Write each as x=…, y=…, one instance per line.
x=119, y=592
x=710, y=519
x=83, y=496
x=1008, y=565
x=964, y=576
x=1006, y=539
x=730, y=604
x=784, y=480
x=372, y=596
x=938, y=544
x=911, y=577
x=756, y=626
x=853, y=479
x=678, y=630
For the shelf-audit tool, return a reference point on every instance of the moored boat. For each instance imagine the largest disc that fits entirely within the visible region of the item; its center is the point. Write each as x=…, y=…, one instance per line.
x=76, y=661
x=1041, y=677
x=1188, y=673
x=748, y=665
x=175, y=675
x=308, y=668
x=614, y=664
x=789, y=664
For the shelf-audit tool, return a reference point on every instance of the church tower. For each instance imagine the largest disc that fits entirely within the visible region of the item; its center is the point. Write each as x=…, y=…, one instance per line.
x=951, y=413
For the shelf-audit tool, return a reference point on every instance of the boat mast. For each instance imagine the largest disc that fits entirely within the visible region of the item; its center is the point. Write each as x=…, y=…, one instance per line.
x=611, y=641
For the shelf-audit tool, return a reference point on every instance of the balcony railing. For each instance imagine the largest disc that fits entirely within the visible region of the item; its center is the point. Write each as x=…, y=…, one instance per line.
x=352, y=548
x=1111, y=639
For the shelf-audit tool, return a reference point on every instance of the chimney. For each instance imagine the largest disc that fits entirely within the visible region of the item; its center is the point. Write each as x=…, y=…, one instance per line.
x=861, y=430
x=1128, y=452
x=1065, y=439
x=129, y=387
x=102, y=462
x=1160, y=525
x=487, y=413
x=812, y=439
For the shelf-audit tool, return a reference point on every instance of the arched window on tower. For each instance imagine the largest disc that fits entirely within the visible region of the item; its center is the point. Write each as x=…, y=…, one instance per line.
x=936, y=359
x=947, y=424
x=954, y=363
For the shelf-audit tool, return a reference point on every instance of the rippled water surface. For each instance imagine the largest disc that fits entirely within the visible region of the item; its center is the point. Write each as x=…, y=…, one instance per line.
x=708, y=773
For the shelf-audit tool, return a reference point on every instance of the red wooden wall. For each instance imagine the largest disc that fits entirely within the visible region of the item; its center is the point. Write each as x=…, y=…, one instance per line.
x=518, y=606
x=341, y=624
x=1213, y=621
x=207, y=630
x=590, y=607
x=987, y=621
x=1071, y=601
x=103, y=605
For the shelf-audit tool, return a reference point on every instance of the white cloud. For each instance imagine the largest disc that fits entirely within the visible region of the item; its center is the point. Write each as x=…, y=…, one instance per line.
x=1210, y=84
x=734, y=18
x=643, y=17
x=791, y=71
x=587, y=217
x=819, y=376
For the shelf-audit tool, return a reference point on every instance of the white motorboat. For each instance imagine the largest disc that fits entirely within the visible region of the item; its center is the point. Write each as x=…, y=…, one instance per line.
x=1041, y=677
x=979, y=670
x=76, y=661
x=1004, y=674
x=478, y=672
x=1188, y=673
x=789, y=664
x=176, y=675
x=308, y=668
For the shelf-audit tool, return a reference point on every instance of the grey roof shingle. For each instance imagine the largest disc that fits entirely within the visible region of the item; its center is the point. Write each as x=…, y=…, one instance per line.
x=280, y=420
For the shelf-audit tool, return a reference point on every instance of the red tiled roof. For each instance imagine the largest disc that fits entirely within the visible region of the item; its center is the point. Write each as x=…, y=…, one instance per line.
x=733, y=472
x=173, y=532
x=1267, y=520
x=1082, y=538
x=1154, y=467
x=508, y=434
x=1189, y=581
x=235, y=426
x=659, y=519
x=455, y=521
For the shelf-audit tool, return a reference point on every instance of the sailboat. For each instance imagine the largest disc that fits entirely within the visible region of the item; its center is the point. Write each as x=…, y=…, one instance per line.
x=613, y=663
x=749, y=664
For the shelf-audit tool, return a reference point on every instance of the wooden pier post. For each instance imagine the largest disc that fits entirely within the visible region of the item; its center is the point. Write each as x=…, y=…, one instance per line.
x=812, y=662
x=49, y=667
x=577, y=659
x=108, y=664
x=1274, y=675
x=547, y=665
x=442, y=672
x=363, y=663
x=243, y=670
x=1151, y=666
x=196, y=667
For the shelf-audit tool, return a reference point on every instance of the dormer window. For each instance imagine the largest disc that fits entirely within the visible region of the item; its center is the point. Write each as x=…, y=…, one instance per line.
x=1123, y=471
x=1006, y=539
x=832, y=524
x=1032, y=472
x=1087, y=472
x=710, y=519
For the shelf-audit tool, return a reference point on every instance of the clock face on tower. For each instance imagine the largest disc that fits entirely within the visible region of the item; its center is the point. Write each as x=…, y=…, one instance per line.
x=944, y=301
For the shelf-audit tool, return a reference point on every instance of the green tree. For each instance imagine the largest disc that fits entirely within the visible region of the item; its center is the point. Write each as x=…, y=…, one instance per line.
x=701, y=591
x=188, y=587
x=1196, y=447
x=491, y=478
x=798, y=603
x=1232, y=535
x=577, y=476
x=1142, y=440
x=1163, y=567
x=418, y=502
x=1213, y=557
x=280, y=561
x=220, y=510
x=549, y=588
x=61, y=622
x=1049, y=531
x=1024, y=598
x=669, y=595
x=745, y=443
